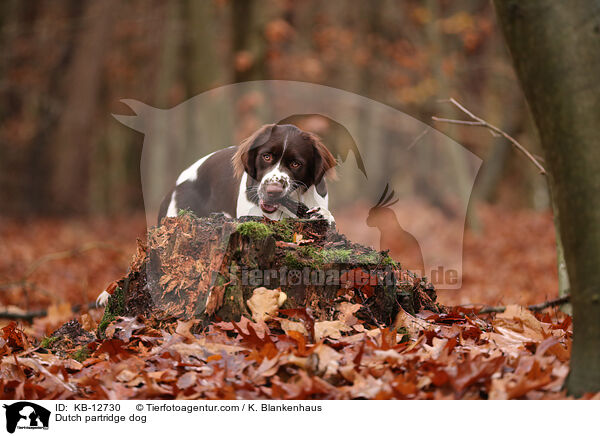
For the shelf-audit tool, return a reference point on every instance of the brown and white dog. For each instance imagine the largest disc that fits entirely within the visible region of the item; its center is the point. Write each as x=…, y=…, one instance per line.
x=275, y=162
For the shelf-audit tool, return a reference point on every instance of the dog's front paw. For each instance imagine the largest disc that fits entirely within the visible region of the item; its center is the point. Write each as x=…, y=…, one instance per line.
x=102, y=299
x=105, y=295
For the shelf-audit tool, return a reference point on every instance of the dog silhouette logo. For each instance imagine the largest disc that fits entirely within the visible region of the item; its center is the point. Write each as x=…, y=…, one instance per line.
x=26, y=415
x=425, y=176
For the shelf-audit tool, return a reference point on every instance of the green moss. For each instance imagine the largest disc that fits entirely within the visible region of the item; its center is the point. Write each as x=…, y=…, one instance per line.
x=310, y=256
x=254, y=230
x=292, y=261
x=371, y=258
x=375, y=258
x=308, y=251
x=388, y=261
x=283, y=230
x=186, y=211
x=81, y=353
x=114, y=308
x=48, y=341
x=337, y=255
x=315, y=258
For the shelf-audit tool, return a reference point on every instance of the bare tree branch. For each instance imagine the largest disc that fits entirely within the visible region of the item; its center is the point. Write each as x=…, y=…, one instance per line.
x=479, y=122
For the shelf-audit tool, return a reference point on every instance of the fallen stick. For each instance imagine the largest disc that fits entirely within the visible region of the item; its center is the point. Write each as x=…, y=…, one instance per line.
x=533, y=307
x=29, y=316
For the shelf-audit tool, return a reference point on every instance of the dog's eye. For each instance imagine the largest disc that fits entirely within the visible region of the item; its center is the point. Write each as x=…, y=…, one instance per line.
x=268, y=157
x=295, y=164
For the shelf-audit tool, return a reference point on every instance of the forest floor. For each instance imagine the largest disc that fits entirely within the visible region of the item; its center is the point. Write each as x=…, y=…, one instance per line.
x=61, y=265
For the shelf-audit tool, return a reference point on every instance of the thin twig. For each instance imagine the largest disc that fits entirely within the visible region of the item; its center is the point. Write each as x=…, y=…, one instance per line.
x=418, y=138
x=533, y=307
x=29, y=316
x=479, y=122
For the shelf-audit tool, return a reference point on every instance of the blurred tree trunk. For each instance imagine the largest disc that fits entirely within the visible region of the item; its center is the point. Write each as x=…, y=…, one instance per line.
x=495, y=164
x=8, y=15
x=249, y=46
x=75, y=145
x=457, y=168
x=555, y=48
x=204, y=70
x=161, y=160
x=42, y=151
x=368, y=17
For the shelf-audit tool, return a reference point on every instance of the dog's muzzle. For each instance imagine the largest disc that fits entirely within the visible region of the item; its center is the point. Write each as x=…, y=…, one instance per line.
x=271, y=191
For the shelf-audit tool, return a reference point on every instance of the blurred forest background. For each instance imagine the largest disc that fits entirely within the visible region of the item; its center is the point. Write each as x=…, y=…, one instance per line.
x=69, y=172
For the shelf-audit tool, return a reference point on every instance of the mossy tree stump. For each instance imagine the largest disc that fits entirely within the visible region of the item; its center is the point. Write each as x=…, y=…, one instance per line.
x=207, y=268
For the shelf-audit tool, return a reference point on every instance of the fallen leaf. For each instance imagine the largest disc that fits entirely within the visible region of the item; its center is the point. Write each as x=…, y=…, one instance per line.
x=523, y=322
x=88, y=323
x=292, y=326
x=413, y=325
x=332, y=329
x=346, y=313
x=265, y=303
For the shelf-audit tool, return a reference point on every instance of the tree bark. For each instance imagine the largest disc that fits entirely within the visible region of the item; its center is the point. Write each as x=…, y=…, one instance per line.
x=555, y=47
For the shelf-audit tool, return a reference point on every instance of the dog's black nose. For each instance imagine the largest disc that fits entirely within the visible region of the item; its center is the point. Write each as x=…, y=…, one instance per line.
x=274, y=190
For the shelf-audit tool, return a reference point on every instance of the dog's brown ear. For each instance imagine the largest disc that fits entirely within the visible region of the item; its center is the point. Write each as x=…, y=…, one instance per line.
x=245, y=156
x=325, y=162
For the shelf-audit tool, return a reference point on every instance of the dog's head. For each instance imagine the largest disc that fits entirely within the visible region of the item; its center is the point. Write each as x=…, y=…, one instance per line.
x=281, y=159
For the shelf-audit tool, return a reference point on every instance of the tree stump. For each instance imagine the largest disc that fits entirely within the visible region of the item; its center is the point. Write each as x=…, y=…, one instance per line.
x=207, y=269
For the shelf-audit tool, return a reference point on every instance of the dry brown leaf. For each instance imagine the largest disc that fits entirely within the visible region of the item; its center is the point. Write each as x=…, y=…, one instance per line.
x=184, y=327
x=88, y=323
x=186, y=380
x=332, y=329
x=287, y=326
x=346, y=313
x=265, y=303
x=436, y=349
x=413, y=325
x=508, y=344
x=522, y=322
x=328, y=360
x=126, y=375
